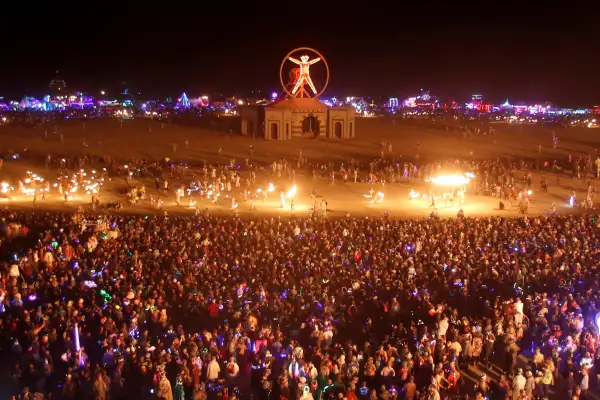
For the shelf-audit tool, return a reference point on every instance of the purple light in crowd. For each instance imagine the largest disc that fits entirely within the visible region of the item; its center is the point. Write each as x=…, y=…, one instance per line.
x=274, y=95
x=76, y=339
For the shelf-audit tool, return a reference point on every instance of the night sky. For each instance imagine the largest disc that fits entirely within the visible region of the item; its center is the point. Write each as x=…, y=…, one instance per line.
x=538, y=54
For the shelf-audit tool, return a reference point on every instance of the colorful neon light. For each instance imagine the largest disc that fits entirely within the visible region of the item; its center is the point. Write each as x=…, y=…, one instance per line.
x=304, y=78
x=184, y=102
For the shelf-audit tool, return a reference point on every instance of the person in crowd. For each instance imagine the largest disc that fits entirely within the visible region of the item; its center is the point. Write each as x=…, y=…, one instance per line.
x=177, y=307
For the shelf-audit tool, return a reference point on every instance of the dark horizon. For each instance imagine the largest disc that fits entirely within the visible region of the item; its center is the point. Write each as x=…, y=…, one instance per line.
x=542, y=55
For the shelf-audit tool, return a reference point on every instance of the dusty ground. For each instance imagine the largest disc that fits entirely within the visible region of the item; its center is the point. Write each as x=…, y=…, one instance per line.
x=142, y=139
x=153, y=140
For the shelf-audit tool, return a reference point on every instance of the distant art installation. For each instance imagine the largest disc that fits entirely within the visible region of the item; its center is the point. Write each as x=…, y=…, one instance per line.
x=302, y=77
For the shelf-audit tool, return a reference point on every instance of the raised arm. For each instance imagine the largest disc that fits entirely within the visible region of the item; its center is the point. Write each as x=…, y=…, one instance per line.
x=292, y=59
x=316, y=60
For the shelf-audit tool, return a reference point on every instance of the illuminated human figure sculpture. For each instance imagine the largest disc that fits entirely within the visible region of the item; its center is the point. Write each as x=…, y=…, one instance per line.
x=304, y=78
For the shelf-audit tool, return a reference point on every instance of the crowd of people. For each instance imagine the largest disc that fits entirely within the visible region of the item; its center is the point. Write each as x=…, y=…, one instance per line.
x=204, y=307
x=230, y=183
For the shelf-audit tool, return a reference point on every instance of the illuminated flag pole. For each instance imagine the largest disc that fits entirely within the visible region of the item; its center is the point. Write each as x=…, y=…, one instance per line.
x=77, y=344
x=76, y=338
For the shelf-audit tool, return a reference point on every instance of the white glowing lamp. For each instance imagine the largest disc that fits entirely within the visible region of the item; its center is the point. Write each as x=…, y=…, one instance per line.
x=450, y=180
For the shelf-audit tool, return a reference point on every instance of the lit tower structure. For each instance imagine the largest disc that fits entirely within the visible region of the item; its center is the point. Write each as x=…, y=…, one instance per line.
x=299, y=112
x=477, y=104
x=57, y=85
x=424, y=102
x=183, y=102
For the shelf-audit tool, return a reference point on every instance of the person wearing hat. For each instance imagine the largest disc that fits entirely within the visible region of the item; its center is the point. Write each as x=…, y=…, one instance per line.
x=164, y=387
x=539, y=385
x=233, y=369
x=100, y=387
x=489, y=341
x=453, y=377
x=538, y=359
x=69, y=388
x=529, y=384
x=518, y=308
x=432, y=393
x=518, y=384
x=511, y=354
x=410, y=388
x=213, y=369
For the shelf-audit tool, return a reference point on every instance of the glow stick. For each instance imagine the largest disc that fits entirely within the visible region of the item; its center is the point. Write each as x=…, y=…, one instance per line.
x=76, y=339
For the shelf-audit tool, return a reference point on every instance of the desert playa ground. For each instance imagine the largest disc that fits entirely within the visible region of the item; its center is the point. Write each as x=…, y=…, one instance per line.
x=154, y=140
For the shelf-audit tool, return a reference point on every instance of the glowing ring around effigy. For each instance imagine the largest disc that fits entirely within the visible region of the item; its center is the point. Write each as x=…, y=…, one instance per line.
x=296, y=51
